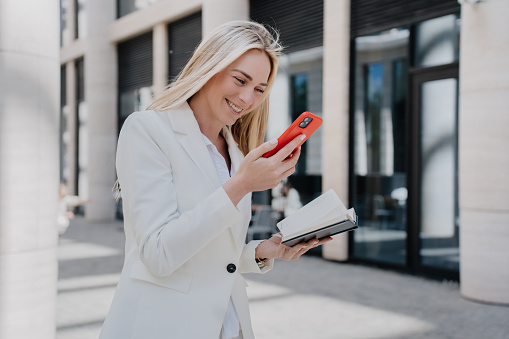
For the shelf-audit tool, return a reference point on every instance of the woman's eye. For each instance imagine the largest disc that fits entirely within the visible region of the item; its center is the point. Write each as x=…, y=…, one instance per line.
x=260, y=90
x=240, y=80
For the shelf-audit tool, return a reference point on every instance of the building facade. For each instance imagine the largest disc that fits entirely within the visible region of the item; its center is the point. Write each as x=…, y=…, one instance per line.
x=412, y=100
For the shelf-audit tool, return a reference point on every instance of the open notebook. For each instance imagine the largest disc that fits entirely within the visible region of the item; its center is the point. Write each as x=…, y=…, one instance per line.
x=322, y=217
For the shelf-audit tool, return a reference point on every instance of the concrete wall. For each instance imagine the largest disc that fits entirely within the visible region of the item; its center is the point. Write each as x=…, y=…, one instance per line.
x=29, y=171
x=101, y=102
x=483, y=151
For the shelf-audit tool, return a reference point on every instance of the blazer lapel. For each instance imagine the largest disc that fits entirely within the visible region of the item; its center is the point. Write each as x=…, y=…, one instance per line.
x=244, y=205
x=189, y=135
x=236, y=155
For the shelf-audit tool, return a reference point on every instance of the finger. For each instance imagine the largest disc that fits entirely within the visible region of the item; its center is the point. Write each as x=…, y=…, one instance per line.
x=322, y=241
x=276, y=239
x=296, y=154
x=287, y=173
x=291, y=161
x=293, y=251
x=262, y=149
x=301, y=252
x=284, y=152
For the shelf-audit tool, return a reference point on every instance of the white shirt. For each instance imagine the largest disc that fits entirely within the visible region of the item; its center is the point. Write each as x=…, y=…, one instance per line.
x=231, y=325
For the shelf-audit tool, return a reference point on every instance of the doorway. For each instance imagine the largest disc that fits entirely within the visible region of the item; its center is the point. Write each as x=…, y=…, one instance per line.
x=404, y=127
x=433, y=186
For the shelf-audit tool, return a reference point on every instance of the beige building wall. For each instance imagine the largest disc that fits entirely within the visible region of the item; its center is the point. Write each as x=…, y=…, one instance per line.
x=29, y=124
x=160, y=57
x=217, y=12
x=483, y=151
x=101, y=110
x=336, y=70
x=98, y=47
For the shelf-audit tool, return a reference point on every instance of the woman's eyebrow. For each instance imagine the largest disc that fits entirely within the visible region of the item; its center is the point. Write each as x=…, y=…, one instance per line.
x=249, y=77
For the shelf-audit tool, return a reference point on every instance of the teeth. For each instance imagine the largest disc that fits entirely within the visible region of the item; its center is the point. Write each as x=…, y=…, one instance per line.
x=235, y=108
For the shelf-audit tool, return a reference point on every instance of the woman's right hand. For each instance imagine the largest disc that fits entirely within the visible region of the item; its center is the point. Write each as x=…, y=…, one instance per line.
x=257, y=173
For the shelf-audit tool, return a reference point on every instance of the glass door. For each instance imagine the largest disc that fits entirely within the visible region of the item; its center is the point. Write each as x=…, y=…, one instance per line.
x=435, y=225
x=380, y=116
x=404, y=147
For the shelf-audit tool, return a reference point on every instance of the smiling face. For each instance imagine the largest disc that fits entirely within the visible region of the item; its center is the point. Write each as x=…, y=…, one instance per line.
x=233, y=92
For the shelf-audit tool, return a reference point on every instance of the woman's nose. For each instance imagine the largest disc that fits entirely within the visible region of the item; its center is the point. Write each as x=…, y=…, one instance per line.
x=246, y=96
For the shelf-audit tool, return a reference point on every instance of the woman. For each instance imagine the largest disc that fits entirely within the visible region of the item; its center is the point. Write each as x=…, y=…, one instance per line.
x=186, y=191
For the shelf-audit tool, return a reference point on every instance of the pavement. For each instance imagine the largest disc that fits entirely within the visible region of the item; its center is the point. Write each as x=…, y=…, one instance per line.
x=308, y=298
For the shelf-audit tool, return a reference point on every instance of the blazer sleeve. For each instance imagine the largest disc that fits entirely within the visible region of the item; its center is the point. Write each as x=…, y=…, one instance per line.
x=247, y=260
x=166, y=239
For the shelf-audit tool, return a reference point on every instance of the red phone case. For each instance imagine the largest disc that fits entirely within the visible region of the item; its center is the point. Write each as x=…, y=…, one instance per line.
x=295, y=130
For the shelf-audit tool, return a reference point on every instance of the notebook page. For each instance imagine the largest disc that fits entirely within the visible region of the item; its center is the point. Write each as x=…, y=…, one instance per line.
x=327, y=206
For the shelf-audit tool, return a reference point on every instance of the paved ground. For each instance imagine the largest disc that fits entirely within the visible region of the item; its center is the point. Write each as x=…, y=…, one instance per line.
x=308, y=298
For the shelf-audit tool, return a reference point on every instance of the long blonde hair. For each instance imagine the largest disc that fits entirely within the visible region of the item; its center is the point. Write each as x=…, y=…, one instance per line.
x=222, y=47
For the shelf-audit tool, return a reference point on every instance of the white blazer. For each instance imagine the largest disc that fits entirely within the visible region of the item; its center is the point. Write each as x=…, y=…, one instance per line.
x=185, y=240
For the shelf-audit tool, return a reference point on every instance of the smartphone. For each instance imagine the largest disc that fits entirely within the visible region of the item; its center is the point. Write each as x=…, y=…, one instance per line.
x=306, y=124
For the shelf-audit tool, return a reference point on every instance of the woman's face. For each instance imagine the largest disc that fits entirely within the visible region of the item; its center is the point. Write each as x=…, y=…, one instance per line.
x=235, y=91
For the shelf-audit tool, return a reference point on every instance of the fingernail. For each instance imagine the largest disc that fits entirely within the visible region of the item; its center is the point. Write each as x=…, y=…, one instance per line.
x=273, y=141
x=302, y=137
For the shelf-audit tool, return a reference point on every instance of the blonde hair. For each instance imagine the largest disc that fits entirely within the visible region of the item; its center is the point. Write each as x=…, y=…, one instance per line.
x=222, y=47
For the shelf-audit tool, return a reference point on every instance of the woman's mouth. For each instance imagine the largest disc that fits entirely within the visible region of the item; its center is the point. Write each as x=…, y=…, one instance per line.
x=235, y=108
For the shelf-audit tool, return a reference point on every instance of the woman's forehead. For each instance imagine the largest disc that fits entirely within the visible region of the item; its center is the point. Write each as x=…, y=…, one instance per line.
x=255, y=63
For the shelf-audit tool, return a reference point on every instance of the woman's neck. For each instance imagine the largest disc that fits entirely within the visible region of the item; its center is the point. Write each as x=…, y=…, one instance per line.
x=209, y=127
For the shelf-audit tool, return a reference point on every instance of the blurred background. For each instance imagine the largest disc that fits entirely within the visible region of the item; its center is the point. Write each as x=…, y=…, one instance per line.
x=413, y=95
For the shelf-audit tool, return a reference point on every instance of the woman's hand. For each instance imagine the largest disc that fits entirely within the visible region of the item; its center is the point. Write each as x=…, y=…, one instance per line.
x=257, y=173
x=273, y=249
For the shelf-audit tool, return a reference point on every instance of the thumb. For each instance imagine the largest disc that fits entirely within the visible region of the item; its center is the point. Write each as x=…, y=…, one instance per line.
x=277, y=239
x=264, y=148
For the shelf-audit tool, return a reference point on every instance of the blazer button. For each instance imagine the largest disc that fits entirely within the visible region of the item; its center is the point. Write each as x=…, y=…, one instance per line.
x=231, y=268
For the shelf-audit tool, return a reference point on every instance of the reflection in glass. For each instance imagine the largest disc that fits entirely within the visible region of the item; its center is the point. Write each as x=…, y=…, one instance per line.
x=380, y=120
x=299, y=105
x=134, y=100
x=81, y=19
x=83, y=142
x=65, y=34
x=65, y=142
x=128, y=6
x=438, y=158
x=437, y=41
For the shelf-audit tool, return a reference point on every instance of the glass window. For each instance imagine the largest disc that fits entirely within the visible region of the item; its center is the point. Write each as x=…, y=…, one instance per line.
x=300, y=104
x=64, y=30
x=127, y=6
x=81, y=19
x=82, y=133
x=134, y=100
x=380, y=120
x=135, y=72
x=64, y=133
x=437, y=41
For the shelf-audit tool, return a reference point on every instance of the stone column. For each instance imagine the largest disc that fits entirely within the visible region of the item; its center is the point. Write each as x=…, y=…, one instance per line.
x=217, y=12
x=335, y=130
x=160, y=57
x=101, y=99
x=29, y=167
x=483, y=155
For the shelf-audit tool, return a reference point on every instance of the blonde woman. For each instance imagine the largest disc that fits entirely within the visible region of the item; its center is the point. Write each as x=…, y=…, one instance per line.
x=186, y=168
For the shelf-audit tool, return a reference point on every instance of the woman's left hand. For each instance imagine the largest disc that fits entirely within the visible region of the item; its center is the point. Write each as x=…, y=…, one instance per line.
x=273, y=249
